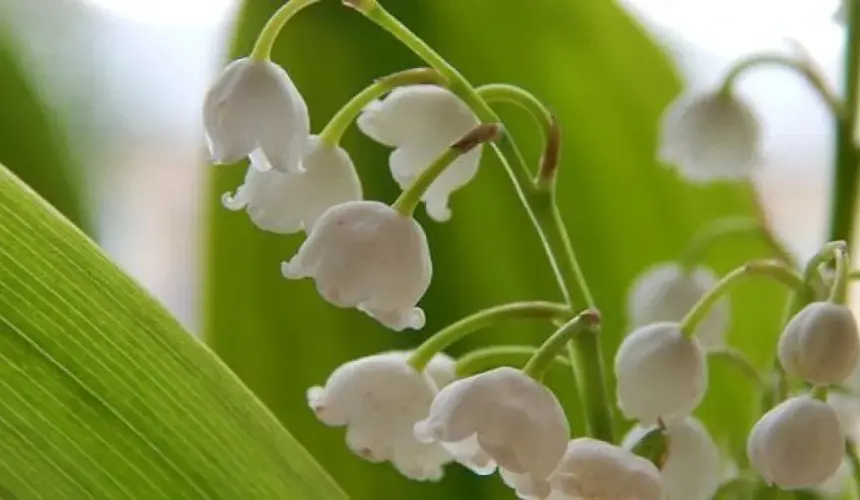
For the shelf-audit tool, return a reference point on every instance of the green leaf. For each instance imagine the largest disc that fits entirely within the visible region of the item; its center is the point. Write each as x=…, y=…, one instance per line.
x=608, y=84
x=32, y=142
x=103, y=395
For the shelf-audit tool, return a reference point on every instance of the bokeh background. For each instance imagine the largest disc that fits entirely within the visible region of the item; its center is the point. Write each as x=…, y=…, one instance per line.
x=100, y=113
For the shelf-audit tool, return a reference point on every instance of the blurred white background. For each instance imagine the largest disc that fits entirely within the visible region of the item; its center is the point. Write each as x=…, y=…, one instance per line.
x=152, y=60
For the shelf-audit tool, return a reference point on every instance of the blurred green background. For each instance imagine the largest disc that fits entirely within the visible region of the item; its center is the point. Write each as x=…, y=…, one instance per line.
x=606, y=81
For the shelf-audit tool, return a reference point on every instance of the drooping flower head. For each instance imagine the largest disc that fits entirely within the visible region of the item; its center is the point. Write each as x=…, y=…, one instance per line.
x=254, y=107
x=364, y=254
x=500, y=417
x=661, y=374
x=820, y=344
x=420, y=122
x=379, y=398
x=287, y=202
x=798, y=444
x=711, y=136
x=667, y=292
x=593, y=469
x=692, y=469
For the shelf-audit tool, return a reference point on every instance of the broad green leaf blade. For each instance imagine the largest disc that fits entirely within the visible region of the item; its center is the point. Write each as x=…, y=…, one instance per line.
x=608, y=84
x=32, y=141
x=103, y=395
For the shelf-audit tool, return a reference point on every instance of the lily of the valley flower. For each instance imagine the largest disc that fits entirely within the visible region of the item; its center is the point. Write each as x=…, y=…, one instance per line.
x=820, y=344
x=711, y=136
x=420, y=122
x=287, y=202
x=692, y=468
x=364, y=254
x=798, y=444
x=667, y=292
x=592, y=469
x=254, y=107
x=661, y=374
x=379, y=398
x=500, y=417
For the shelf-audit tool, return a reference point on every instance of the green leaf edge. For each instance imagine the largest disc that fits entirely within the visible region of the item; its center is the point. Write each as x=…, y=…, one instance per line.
x=222, y=442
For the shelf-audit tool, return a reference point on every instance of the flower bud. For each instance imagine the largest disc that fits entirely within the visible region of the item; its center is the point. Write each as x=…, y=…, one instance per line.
x=596, y=469
x=500, y=417
x=421, y=122
x=820, y=344
x=364, y=254
x=286, y=202
x=692, y=467
x=379, y=398
x=667, y=292
x=254, y=107
x=661, y=374
x=798, y=444
x=711, y=136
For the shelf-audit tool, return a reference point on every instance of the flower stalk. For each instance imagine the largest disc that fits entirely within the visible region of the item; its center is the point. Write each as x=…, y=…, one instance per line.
x=262, y=50
x=483, y=319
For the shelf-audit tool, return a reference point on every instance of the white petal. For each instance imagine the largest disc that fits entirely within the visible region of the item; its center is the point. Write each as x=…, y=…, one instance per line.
x=666, y=292
x=660, y=374
x=274, y=201
x=711, y=136
x=380, y=398
x=230, y=131
x=798, y=444
x=593, y=469
x=692, y=470
x=409, y=113
x=364, y=254
x=254, y=104
x=330, y=179
x=517, y=421
x=421, y=121
x=820, y=344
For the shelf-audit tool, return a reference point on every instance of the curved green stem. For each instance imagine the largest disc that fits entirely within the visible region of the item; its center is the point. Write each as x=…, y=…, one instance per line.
x=738, y=360
x=544, y=355
x=772, y=269
x=482, y=319
x=411, y=196
x=266, y=39
x=498, y=355
x=839, y=290
x=546, y=221
x=803, y=68
x=854, y=461
x=334, y=130
x=843, y=208
x=717, y=231
x=503, y=92
x=832, y=251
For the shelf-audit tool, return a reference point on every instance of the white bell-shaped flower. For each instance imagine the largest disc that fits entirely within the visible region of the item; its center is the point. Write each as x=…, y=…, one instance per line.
x=821, y=344
x=420, y=122
x=798, y=444
x=692, y=469
x=667, y=292
x=254, y=107
x=846, y=401
x=379, y=398
x=711, y=136
x=364, y=254
x=660, y=374
x=500, y=417
x=286, y=202
x=593, y=469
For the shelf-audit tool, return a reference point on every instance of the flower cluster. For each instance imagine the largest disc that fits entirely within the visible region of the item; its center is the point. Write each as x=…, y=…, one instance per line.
x=421, y=409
